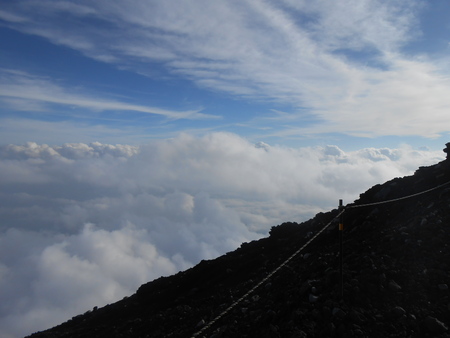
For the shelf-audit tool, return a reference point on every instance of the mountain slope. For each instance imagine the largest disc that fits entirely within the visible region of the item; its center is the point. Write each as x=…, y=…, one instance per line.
x=396, y=274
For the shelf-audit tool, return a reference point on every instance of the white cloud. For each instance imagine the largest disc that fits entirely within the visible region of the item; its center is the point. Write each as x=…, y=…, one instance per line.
x=72, y=213
x=26, y=91
x=383, y=26
x=49, y=279
x=10, y=17
x=342, y=61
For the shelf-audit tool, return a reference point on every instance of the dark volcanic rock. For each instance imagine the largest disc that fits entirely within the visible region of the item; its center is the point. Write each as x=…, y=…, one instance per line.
x=395, y=278
x=434, y=325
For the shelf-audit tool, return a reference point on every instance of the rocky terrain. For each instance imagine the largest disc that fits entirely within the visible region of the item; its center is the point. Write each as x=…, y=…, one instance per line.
x=396, y=274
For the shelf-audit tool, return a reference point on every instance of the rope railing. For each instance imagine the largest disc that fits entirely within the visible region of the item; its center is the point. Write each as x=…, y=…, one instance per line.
x=351, y=206
x=338, y=216
x=265, y=279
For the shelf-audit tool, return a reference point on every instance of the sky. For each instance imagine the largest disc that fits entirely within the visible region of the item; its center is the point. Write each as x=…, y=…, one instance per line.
x=140, y=137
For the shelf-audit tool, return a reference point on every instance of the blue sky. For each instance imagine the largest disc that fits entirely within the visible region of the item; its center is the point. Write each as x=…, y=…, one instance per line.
x=295, y=73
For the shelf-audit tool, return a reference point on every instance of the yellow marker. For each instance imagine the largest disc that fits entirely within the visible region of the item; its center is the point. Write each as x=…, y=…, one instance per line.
x=341, y=226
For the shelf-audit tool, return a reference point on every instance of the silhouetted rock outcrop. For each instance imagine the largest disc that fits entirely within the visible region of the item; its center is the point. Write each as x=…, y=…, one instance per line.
x=447, y=149
x=396, y=277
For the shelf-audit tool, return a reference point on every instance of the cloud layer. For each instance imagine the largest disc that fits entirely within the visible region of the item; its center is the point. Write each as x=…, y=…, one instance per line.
x=85, y=224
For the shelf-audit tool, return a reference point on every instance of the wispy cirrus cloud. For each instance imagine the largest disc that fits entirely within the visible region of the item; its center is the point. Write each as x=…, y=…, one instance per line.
x=380, y=26
x=22, y=90
x=342, y=62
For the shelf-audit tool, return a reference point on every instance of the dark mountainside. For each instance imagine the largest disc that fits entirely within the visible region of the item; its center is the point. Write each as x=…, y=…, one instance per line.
x=396, y=276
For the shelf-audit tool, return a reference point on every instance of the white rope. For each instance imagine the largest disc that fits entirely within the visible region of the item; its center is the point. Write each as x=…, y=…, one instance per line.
x=303, y=247
x=396, y=199
x=264, y=280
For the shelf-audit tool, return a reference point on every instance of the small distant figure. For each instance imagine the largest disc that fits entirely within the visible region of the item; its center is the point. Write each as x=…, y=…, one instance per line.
x=447, y=150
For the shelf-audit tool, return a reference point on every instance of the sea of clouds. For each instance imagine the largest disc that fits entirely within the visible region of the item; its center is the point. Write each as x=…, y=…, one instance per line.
x=83, y=225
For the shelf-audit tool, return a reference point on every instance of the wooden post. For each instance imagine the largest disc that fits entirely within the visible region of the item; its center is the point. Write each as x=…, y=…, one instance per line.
x=341, y=254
